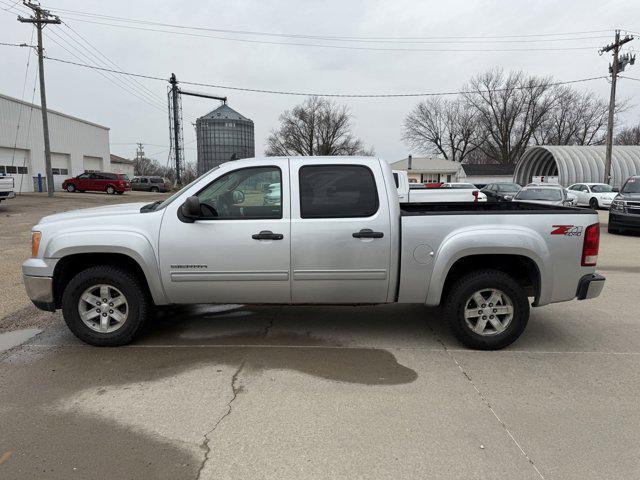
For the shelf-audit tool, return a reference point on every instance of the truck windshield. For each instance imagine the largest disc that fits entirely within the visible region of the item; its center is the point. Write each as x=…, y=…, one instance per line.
x=552, y=194
x=632, y=185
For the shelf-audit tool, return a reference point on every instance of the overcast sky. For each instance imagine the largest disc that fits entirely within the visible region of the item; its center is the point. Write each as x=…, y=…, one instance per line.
x=86, y=94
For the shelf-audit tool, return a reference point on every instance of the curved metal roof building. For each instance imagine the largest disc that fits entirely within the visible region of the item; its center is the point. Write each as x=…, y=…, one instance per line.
x=578, y=163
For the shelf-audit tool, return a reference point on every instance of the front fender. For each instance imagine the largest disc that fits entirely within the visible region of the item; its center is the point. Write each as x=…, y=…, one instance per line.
x=132, y=244
x=491, y=240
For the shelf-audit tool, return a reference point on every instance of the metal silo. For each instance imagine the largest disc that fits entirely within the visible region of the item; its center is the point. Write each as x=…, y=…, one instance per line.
x=223, y=135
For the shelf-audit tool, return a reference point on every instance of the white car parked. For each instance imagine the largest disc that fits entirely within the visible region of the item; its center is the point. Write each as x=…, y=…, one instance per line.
x=595, y=195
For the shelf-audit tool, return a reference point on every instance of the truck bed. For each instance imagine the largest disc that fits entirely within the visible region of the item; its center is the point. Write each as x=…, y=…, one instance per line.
x=486, y=208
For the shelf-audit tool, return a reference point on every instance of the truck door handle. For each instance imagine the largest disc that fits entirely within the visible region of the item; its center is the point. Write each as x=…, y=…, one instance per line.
x=367, y=233
x=267, y=235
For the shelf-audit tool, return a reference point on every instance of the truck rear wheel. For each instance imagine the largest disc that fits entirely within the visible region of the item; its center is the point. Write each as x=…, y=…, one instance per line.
x=105, y=306
x=487, y=309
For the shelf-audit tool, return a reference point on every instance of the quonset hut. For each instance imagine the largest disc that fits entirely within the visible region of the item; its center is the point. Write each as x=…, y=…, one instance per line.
x=578, y=163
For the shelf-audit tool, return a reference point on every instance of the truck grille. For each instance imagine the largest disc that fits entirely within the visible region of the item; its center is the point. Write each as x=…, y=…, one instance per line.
x=633, y=208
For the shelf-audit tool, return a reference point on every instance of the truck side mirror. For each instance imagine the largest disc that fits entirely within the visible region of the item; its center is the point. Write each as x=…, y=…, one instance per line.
x=190, y=209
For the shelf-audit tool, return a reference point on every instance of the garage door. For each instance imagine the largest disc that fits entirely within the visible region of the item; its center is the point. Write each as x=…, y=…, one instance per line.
x=16, y=163
x=61, y=167
x=92, y=164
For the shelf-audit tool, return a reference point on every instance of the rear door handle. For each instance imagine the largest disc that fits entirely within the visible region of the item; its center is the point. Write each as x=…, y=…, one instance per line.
x=367, y=233
x=267, y=235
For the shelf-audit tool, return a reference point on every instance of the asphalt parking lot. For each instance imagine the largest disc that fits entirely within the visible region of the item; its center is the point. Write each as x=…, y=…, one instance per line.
x=318, y=392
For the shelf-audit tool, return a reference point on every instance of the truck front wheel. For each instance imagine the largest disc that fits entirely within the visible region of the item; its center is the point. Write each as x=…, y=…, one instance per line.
x=105, y=306
x=487, y=309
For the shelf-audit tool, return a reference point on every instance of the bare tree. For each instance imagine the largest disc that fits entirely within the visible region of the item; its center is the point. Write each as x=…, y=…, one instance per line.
x=576, y=118
x=316, y=127
x=509, y=108
x=628, y=136
x=442, y=127
x=145, y=166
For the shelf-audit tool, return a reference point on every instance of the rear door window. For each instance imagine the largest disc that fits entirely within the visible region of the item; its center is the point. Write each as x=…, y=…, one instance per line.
x=337, y=191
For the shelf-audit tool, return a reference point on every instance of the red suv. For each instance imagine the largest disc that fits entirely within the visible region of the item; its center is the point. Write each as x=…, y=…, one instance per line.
x=98, y=182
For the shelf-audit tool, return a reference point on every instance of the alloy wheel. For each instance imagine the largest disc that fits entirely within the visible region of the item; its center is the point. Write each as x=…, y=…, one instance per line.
x=103, y=308
x=488, y=312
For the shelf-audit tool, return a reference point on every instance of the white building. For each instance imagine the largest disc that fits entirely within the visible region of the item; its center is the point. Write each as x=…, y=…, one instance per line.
x=430, y=170
x=122, y=165
x=76, y=145
x=486, y=173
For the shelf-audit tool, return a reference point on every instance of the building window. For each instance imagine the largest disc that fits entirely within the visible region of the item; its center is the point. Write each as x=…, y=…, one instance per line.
x=11, y=169
x=2, y=170
x=55, y=171
x=430, y=177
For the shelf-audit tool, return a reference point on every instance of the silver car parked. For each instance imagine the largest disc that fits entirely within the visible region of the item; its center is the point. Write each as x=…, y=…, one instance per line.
x=549, y=195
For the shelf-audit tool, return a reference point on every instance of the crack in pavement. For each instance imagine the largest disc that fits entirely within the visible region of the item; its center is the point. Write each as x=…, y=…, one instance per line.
x=486, y=402
x=235, y=390
x=205, y=444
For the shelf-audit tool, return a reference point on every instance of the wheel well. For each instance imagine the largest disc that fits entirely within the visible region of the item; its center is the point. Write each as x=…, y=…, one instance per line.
x=69, y=266
x=521, y=268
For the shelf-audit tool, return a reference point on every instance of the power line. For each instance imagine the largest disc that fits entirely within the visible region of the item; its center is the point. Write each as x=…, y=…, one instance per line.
x=24, y=86
x=307, y=94
x=630, y=78
x=83, y=53
x=111, y=62
x=341, y=47
x=332, y=37
x=17, y=45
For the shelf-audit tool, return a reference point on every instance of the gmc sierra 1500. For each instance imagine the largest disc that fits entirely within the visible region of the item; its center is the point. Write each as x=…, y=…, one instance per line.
x=332, y=233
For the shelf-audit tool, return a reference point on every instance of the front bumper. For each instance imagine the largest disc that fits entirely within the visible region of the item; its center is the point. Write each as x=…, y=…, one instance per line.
x=619, y=219
x=40, y=291
x=7, y=195
x=590, y=286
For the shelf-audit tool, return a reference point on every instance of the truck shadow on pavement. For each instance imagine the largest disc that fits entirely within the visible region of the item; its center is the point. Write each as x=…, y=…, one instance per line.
x=52, y=430
x=252, y=331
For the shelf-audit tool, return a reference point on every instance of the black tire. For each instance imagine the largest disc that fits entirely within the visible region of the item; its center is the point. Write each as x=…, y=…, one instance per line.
x=593, y=203
x=139, y=305
x=612, y=230
x=71, y=188
x=110, y=190
x=461, y=292
x=154, y=189
x=119, y=193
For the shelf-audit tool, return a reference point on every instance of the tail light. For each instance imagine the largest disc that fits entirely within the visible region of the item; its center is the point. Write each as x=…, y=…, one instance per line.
x=591, y=245
x=475, y=195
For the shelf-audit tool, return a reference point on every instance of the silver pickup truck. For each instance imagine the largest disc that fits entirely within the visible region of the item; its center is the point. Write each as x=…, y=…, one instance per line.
x=311, y=230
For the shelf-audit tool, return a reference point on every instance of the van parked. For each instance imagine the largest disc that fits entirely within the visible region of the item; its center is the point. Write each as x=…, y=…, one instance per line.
x=98, y=182
x=150, y=184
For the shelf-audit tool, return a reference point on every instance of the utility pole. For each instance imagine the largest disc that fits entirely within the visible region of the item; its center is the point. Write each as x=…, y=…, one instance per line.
x=175, y=118
x=176, y=124
x=41, y=18
x=618, y=65
x=140, y=151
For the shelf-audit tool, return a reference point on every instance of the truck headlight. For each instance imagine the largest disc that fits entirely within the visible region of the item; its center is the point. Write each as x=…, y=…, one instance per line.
x=617, y=205
x=35, y=243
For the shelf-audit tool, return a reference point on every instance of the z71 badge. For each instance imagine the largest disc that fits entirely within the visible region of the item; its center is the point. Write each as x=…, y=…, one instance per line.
x=568, y=230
